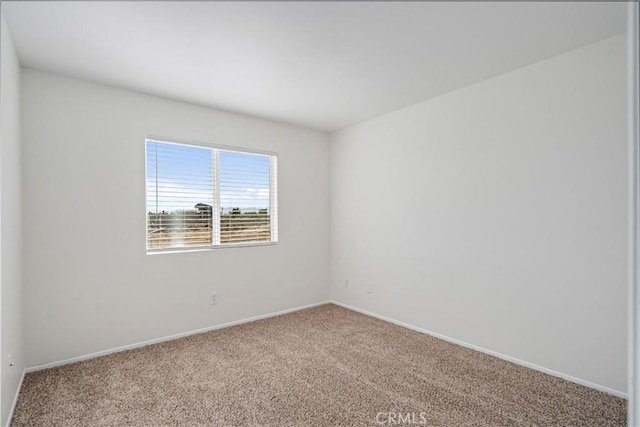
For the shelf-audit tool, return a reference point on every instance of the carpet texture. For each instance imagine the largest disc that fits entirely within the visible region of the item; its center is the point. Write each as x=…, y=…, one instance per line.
x=325, y=366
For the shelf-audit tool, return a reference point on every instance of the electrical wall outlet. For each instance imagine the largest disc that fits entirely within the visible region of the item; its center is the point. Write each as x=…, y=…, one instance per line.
x=369, y=287
x=213, y=300
x=346, y=283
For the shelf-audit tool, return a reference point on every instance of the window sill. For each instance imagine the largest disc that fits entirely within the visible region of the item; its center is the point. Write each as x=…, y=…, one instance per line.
x=207, y=248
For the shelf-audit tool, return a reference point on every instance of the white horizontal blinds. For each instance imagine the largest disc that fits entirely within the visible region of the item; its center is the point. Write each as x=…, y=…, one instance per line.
x=199, y=196
x=245, y=201
x=180, y=195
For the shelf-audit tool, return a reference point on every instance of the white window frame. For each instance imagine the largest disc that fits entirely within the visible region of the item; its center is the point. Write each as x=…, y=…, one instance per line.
x=215, y=151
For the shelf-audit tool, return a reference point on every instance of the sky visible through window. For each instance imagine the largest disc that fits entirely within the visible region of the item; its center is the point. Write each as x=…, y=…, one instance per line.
x=180, y=176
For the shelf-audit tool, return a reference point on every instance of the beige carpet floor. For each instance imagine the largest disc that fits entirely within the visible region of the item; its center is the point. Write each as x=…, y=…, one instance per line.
x=325, y=366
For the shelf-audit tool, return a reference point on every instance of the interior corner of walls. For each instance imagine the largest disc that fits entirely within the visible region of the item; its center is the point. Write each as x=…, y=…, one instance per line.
x=487, y=187
x=11, y=281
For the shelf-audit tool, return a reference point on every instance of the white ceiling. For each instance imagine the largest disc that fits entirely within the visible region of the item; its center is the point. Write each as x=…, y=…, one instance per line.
x=324, y=65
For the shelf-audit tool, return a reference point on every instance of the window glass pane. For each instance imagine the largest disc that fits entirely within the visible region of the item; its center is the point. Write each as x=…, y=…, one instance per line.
x=244, y=198
x=179, y=196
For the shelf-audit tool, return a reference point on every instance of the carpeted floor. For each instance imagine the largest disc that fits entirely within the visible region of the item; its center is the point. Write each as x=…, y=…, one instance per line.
x=325, y=366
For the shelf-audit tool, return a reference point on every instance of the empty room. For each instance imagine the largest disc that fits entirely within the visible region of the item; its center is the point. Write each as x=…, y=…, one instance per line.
x=318, y=213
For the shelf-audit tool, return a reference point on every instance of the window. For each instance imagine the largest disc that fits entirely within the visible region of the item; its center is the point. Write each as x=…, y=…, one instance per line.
x=202, y=197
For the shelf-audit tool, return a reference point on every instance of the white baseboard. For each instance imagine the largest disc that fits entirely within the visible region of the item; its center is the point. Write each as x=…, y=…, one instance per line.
x=15, y=398
x=291, y=310
x=490, y=352
x=169, y=338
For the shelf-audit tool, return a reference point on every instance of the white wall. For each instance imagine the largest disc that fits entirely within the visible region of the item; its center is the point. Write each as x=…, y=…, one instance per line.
x=497, y=214
x=10, y=223
x=89, y=286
